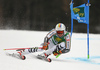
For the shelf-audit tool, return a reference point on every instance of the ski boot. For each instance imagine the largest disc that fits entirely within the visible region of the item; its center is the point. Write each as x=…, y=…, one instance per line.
x=44, y=56
x=21, y=56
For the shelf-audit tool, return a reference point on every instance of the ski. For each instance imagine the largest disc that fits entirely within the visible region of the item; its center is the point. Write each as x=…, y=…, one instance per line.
x=23, y=57
x=44, y=58
x=16, y=56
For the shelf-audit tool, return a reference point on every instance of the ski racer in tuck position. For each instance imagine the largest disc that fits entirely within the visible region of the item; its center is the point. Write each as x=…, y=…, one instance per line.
x=56, y=42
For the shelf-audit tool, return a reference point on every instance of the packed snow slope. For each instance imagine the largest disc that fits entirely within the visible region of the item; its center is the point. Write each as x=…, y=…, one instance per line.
x=76, y=59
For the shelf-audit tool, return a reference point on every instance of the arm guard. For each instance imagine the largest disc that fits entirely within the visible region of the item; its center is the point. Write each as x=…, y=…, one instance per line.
x=45, y=44
x=46, y=39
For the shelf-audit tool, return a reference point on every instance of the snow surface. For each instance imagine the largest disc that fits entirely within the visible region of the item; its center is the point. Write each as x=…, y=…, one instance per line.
x=76, y=59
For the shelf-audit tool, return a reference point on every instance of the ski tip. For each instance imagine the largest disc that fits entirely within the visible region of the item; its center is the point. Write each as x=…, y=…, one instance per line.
x=4, y=49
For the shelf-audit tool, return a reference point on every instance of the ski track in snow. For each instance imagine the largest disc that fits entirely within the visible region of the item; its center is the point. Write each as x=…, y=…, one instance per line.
x=92, y=59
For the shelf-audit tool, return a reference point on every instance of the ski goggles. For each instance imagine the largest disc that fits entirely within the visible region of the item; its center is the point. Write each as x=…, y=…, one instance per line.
x=60, y=32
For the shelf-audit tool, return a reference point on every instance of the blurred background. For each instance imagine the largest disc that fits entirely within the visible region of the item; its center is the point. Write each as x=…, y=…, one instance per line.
x=43, y=15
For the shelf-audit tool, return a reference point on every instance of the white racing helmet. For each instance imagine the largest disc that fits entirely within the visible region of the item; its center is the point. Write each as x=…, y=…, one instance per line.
x=60, y=27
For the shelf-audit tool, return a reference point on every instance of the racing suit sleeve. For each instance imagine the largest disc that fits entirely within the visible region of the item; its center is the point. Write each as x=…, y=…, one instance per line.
x=68, y=44
x=46, y=39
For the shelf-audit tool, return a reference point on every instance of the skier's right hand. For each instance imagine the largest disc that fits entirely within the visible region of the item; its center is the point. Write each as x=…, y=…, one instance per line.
x=45, y=46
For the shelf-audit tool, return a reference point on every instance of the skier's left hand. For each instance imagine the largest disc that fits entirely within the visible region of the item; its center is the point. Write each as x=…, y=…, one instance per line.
x=57, y=52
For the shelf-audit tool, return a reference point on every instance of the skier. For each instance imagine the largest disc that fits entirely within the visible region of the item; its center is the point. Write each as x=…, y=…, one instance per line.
x=56, y=42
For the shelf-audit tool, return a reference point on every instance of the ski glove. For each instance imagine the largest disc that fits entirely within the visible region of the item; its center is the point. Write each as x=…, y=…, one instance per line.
x=57, y=53
x=45, y=46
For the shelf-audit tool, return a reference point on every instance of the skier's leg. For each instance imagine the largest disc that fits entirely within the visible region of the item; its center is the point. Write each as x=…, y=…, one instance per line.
x=51, y=48
x=48, y=52
x=31, y=50
x=61, y=49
